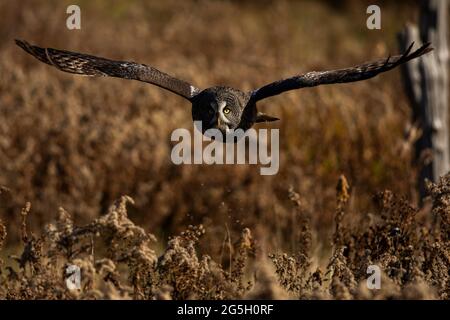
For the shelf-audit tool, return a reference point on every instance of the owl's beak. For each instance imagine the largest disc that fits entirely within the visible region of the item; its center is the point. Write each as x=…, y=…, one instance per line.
x=221, y=125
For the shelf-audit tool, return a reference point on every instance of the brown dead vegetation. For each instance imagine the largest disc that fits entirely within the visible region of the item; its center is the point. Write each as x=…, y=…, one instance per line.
x=78, y=143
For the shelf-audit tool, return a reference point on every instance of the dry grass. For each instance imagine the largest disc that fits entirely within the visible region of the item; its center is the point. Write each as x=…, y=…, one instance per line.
x=77, y=143
x=412, y=252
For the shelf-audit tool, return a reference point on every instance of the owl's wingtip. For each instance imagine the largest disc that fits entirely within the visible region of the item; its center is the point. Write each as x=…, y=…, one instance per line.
x=19, y=41
x=22, y=43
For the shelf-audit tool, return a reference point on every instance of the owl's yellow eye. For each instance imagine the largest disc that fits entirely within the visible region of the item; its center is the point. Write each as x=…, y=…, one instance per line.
x=226, y=110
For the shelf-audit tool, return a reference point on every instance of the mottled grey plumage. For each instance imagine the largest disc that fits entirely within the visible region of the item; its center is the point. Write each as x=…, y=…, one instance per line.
x=360, y=72
x=209, y=105
x=88, y=65
x=218, y=107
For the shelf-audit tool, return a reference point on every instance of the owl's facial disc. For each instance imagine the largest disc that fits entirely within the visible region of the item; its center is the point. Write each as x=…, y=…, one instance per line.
x=218, y=108
x=220, y=120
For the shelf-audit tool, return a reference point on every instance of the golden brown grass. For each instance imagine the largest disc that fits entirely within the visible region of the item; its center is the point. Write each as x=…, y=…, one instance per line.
x=412, y=252
x=78, y=143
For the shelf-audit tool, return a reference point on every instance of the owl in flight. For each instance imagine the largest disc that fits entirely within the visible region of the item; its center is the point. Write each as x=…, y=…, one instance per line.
x=219, y=107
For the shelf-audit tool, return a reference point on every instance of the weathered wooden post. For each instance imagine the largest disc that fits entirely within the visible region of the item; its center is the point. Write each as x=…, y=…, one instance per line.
x=427, y=84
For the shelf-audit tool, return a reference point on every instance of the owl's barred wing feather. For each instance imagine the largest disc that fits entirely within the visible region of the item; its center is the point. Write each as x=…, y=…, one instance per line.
x=89, y=65
x=357, y=73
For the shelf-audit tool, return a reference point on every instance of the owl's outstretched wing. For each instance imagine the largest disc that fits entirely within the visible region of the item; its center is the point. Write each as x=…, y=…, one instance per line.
x=88, y=65
x=357, y=73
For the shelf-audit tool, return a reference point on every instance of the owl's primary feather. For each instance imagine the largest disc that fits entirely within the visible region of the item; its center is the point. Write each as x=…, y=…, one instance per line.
x=219, y=107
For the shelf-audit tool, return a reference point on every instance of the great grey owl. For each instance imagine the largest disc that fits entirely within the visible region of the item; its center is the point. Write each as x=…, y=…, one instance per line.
x=219, y=107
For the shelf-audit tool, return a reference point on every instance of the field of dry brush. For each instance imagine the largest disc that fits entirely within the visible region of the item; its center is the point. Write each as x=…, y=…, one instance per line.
x=86, y=176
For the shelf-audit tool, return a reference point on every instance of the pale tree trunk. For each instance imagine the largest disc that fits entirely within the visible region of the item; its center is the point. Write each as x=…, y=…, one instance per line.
x=427, y=84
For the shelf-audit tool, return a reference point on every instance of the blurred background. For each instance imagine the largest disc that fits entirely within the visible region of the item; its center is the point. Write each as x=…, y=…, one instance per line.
x=80, y=143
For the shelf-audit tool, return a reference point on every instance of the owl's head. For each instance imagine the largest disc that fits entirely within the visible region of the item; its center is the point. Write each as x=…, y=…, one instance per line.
x=219, y=108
